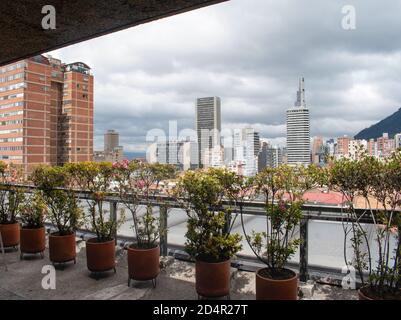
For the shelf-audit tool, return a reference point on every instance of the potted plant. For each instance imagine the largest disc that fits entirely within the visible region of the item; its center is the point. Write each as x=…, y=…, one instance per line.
x=209, y=238
x=138, y=183
x=33, y=233
x=282, y=189
x=64, y=211
x=95, y=179
x=375, y=251
x=11, y=197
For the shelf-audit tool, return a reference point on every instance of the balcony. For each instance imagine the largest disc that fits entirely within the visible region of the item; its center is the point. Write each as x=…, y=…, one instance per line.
x=319, y=281
x=222, y=225
x=175, y=282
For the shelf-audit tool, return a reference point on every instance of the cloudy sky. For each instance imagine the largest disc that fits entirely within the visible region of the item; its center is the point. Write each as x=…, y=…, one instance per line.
x=250, y=53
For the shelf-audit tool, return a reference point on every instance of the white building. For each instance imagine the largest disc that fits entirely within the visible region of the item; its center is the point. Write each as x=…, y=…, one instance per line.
x=214, y=157
x=207, y=123
x=356, y=148
x=151, y=153
x=397, y=141
x=298, y=130
x=246, y=144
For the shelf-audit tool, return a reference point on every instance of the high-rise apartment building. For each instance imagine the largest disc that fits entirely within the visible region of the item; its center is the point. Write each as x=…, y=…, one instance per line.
x=112, y=151
x=208, y=124
x=397, y=141
x=269, y=156
x=385, y=146
x=250, y=136
x=111, y=140
x=298, y=130
x=372, y=147
x=356, y=149
x=317, y=147
x=342, y=149
x=46, y=111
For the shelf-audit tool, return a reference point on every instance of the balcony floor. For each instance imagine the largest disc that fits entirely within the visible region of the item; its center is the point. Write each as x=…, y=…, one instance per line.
x=175, y=282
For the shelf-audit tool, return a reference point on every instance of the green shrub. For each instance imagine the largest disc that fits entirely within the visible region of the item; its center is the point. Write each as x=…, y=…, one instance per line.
x=201, y=194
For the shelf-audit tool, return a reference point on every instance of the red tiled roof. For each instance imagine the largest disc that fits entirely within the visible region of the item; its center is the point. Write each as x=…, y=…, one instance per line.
x=317, y=196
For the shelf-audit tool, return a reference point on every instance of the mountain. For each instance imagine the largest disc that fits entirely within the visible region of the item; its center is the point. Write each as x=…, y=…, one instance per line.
x=391, y=125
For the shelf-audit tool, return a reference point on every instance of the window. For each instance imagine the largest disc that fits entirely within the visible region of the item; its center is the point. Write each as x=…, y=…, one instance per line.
x=13, y=87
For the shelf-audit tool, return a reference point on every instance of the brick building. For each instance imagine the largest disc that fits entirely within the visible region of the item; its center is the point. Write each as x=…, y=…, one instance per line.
x=46, y=112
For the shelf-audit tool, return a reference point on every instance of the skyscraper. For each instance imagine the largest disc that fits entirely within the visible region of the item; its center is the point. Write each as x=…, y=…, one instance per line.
x=342, y=149
x=317, y=149
x=46, y=108
x=112, y=151
x=111, y=140
x=298, y=130
x=208, y=124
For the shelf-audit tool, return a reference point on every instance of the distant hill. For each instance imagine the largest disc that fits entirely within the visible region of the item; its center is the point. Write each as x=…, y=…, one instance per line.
x=391, y=125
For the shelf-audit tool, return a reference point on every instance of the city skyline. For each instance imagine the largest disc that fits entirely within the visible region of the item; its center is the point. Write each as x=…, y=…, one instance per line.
x=157, y=70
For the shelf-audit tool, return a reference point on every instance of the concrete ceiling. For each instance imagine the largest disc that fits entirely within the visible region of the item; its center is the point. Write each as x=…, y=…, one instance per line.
x=22, y=35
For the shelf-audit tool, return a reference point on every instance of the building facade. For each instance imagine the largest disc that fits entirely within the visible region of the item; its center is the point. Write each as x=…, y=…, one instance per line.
x=112, y=151
x=298, y=130
x=111, y=140
x=207, y=124
x=342, y=149
x=46, y=111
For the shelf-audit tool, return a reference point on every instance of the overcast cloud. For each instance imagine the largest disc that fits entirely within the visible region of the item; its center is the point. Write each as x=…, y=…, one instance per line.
x=250, y=53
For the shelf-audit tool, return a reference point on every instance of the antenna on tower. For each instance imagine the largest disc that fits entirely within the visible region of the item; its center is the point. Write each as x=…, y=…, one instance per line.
x=301, y=94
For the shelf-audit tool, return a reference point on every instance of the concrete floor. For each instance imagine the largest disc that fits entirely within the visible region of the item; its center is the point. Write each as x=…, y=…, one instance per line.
x=23, y=280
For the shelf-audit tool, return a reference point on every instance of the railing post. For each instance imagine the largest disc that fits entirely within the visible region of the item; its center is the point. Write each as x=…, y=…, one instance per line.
x=113, y=216
x=163, y=230
x=228, y=222
x=2, y=252
x=303, y=251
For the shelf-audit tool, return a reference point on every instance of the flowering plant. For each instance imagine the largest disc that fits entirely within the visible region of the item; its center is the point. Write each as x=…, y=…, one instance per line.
x=283, y=189
x=139, y=183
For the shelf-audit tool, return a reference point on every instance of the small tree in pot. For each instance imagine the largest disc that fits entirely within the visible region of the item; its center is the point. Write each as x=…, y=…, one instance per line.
x=33, y=234
x=139, y=183
x=95, y=179
x=376, y=258
x=209, y=238
x=64, y=211
x=11, y=198
x=283, y=190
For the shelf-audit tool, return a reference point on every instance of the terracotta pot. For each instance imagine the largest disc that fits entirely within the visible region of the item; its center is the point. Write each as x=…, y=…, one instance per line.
x=362, y=295
x=33, y=240
x=62, y=248
x=10, y=234
x=213, y=279
x=143, y=264
x=100, y=256
x=270, y=289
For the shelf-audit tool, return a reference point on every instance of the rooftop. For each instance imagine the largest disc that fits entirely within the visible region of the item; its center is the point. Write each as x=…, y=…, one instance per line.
x=23, y=279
